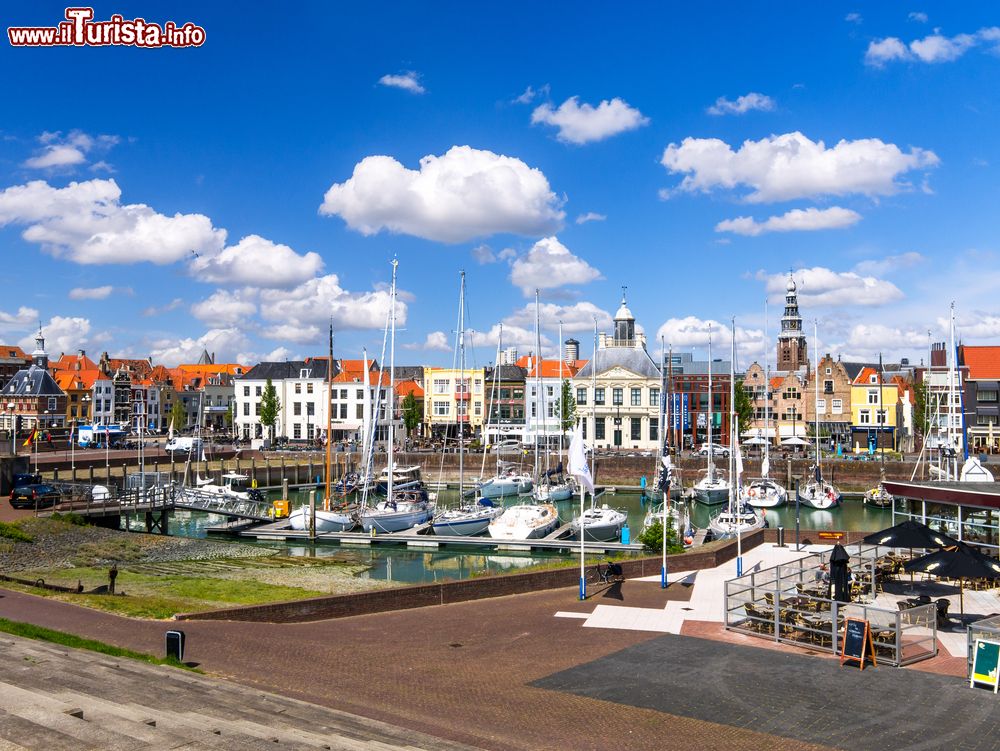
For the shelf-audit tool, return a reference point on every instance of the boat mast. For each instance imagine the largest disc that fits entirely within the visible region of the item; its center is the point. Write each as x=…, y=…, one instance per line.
x=465, y=392
x=562, y=356
x=390, y=401
x=819, y=465
x=766, y=465
x=711, y=462
x=733, y=438
x=538, y=385
x=593, y=410
x=493, y=404
x=329, y=421
x=662, y=405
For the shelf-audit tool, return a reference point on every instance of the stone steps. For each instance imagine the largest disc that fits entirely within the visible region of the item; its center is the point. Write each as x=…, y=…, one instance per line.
x=56, y=699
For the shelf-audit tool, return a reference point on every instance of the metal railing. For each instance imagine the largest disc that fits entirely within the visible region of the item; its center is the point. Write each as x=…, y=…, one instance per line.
x=788, y=604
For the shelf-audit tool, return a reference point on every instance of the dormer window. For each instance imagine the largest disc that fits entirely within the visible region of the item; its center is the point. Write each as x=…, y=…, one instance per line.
x=304, y=373
x=873, y=379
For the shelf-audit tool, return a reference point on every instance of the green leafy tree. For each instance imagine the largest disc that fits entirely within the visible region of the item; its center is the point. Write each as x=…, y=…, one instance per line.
x=568, y=406
x=270, y=406
x=413, y=413
x=743, y=409
x=652, y=538
x=920, y=417
x=177, y=416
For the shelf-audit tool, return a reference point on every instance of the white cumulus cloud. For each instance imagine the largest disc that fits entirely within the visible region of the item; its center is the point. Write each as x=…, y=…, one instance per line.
x=577, y=317
x=796, y=220
x=315, y=301
x=584, y=123
x=933, y=48
x=550, y=264
x=59, y=151
x=742, y=105
x=918, y=16
x=888, y=264
x=226, y=343
x=23, y=317
x=436, y=341
x=408, y=81
x=463, y=194
x=590, y=216
x=822, y=287
x=86, y=223
x=484, y=255
x=691, y=331
x=791, y=166
x=62, y=334
x=256, y=261
x=224, y=308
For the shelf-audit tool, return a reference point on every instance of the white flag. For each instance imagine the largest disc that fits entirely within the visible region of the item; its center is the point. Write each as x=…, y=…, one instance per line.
x=170, y=430
x=578, y=466
x=739, y=462
x=765, y=467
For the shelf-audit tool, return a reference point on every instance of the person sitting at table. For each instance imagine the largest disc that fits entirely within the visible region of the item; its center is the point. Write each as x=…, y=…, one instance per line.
x=822, y=574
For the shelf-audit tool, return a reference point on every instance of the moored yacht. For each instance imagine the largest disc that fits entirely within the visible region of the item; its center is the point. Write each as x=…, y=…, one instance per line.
x=525, y=522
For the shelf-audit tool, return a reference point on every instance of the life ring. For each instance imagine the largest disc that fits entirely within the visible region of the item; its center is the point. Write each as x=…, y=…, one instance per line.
x=752, y=492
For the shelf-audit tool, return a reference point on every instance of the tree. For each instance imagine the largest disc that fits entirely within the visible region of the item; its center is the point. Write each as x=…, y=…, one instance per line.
x=270, y=406
x=652, y=538
x=743, y=409
x=177, y=416
x=568, y=406
x=413, y=413
x=920, y=417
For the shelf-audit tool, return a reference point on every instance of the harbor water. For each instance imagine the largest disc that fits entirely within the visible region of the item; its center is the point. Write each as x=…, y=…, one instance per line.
x=409, y=566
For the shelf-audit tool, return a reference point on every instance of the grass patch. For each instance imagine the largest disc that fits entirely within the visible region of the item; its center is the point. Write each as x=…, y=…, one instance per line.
x=70, y=518
x=161, y=597
x=14, y=532
x=31, y=631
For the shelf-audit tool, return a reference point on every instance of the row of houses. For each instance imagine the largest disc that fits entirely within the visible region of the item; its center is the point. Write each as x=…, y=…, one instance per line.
x=618, y=396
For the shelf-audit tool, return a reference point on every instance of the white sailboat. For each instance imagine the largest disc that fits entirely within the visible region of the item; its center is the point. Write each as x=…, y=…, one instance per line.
x=467, y=518
x=712, y=487
x=738, y=518
x=555, y=485
x=763, y=492
x=818, y=493
x=399, y=510
x=328, y=518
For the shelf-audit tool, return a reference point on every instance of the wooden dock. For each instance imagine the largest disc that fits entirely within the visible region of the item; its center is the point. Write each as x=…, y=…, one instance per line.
x=420, y=537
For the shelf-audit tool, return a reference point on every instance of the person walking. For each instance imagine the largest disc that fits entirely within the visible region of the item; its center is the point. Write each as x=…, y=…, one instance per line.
x=112, y=575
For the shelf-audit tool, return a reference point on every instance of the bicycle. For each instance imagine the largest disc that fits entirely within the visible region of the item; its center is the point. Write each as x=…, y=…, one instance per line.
x=611, y=573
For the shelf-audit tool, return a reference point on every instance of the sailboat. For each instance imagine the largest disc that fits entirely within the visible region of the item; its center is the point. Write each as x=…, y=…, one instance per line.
x=529, y=520
x=712, y=488
x=399, y=510
x=818, y=493
x=553, y=485
x=763, y=492
x=467, y=518
x=327, y=519
x=738, y=518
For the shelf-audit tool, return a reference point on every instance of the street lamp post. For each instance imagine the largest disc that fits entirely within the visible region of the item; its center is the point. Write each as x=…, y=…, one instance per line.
x=13, y=428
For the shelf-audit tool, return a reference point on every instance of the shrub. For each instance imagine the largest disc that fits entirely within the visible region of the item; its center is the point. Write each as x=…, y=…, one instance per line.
x=13, y=532
x=652, y=539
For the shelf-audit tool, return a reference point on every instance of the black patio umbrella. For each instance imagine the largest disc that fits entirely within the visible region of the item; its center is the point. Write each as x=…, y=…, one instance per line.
x=957, y=561
x=839, y=575
x=910, y=534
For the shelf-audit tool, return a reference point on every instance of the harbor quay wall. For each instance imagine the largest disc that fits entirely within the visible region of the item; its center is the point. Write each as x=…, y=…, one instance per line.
x=444, y=593
x=300, y=467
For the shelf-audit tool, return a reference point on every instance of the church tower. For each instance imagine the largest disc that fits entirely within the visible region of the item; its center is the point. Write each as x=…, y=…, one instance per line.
x=792, y=352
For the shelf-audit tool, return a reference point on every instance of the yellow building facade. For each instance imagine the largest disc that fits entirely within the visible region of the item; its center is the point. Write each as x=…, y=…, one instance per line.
x=453, y=398
x=874, y=411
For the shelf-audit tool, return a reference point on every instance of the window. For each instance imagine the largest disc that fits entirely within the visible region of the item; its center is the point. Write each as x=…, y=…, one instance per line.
x=517, y=394
x=440, y=385
x=837, y=406
x=296, y=431
x=881, y=415
x=827, y=386
x=304, y=373
x=359, y=394
x=583, y=432
x=534, y=410
x=821, y=406
x=343, y=394
x=829, y=371
x=52, y=402
x=505, y=393
x=298, y=388
x=581, y=396
x=311, y=408
x=259, y=388
x=654, y=424
x=873, y=378
x=636, y=397
x=343, y=411
x=296, y=408
x=790, y=393
x=478, y=385
x=246, y=409
x=551, y=409
x=865, y=417
x=442, y=409
x=478, y=409
x=309, y=388
x=550, y=391
x=873, y=396
x=636, y=428
x=359, y=412
x=257, y=409
x=599, y=397
x=987, y=396
x=599, y=429
x=654, y=397
x=986, y=420
x=617, y=397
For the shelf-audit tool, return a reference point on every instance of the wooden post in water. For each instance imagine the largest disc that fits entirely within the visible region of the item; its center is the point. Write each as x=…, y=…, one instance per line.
x=788, y=473
x=284, y=488
x=90, y=473
x=312, y=514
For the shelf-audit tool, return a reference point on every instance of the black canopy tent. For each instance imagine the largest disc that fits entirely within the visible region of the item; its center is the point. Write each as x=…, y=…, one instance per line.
x=957, y=561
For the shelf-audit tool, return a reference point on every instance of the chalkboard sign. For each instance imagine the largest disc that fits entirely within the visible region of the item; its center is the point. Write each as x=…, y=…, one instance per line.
x=857, y=642
x=985, y=664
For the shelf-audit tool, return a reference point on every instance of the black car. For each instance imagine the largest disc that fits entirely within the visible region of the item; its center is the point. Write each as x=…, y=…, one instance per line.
x=37, y=495
x=25, y=478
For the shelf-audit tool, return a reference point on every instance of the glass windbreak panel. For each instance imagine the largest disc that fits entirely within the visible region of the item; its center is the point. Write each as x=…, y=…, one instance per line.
x=980, y=534
x=942, y=511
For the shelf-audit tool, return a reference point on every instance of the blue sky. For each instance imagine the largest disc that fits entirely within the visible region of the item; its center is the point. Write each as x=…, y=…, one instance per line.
x=236, y=195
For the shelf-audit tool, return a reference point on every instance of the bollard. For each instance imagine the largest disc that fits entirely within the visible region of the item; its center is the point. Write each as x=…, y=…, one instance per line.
x=175, y=645
x=781, y=537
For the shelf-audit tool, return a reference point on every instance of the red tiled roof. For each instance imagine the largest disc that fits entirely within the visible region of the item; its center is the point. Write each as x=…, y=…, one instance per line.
x=864, y=377
x=982, y=362
x=405, y=388
x=214, y=369
x=12, y=350
x=77, y=380
x=73, y=362
x=776, y=382
x=549, y=368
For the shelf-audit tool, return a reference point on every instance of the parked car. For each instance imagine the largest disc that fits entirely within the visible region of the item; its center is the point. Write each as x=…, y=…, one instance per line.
x=506, y=446
x=36, y=495
x=25, y=478
x=716, y=449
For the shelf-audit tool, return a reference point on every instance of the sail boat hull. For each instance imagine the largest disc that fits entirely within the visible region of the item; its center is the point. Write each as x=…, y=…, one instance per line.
x=465, y=522
x=600, y=524
x=505, y=487
x=526, y=522
x=326, y=521
x=712, y=493
x=819, y=495
x=764, y=494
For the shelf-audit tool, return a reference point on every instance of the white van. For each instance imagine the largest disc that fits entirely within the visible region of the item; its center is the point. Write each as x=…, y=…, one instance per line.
x=185, y=444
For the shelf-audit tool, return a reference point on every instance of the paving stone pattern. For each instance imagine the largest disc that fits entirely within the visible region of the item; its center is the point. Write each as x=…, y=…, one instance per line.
x=809, y=699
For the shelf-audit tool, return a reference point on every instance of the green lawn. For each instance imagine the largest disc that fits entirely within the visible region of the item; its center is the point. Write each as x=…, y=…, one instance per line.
x=154, y=596
x=31, y=631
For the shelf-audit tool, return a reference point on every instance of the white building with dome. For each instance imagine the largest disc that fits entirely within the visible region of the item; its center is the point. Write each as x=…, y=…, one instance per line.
x=622, y=411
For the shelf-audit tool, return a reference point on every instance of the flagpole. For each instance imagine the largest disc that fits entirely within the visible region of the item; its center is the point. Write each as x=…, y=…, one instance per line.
x=583, y=568
x=734, y=447
x=662, y=468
